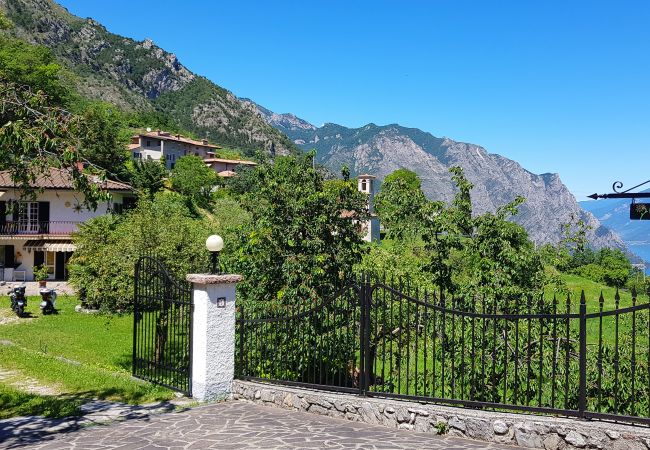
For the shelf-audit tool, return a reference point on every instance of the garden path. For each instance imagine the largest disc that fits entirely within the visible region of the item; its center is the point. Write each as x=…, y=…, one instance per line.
x=241, y=425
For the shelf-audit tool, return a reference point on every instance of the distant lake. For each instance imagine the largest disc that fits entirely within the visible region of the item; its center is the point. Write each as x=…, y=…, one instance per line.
x=641, y=249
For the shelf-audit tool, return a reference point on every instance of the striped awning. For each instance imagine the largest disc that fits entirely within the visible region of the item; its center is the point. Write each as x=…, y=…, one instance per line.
x=50, y=246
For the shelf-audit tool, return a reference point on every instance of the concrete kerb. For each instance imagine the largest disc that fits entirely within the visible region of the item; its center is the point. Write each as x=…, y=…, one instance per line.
x=523, y=430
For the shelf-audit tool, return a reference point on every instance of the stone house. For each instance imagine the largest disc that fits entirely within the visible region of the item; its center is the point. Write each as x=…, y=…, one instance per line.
x=162, y=145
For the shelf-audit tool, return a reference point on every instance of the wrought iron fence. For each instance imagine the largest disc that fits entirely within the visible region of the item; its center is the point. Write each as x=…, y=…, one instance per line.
x=376, y=337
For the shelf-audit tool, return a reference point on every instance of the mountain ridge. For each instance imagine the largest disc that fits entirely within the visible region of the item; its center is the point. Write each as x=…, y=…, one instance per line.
x=381, y=149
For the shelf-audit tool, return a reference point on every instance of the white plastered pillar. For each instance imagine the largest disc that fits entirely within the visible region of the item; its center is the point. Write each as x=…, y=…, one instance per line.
x=213, y=335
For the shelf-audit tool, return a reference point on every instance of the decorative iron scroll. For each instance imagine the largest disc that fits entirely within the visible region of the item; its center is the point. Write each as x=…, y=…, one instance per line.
x=623, y=194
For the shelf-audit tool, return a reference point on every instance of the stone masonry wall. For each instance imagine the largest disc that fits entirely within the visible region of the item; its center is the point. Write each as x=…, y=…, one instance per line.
x=517, y=429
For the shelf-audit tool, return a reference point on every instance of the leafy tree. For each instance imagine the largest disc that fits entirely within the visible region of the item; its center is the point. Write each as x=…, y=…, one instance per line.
x=500, y=259
x=35, y=135
x=34, y=66
x=38, y=131
x=104, y=139
x=401, y=205
x=148, y=176
x=302, y=239
x=192, y=178
x=345, y=172
x=617, y=267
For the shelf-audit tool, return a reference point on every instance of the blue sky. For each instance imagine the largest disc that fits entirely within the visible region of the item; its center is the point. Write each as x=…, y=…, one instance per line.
x=559, y=86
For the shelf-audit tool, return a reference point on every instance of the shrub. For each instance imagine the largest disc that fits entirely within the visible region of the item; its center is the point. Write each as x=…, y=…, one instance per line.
x=108, y=247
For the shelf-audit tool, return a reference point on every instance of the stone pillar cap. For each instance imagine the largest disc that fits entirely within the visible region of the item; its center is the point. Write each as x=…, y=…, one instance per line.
x=206, y=278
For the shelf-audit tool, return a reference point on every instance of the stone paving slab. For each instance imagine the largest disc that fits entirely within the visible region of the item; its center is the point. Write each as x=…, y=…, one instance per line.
x=240, y=425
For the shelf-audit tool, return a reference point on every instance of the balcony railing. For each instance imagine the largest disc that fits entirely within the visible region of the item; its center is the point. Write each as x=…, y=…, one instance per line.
x=57, y=228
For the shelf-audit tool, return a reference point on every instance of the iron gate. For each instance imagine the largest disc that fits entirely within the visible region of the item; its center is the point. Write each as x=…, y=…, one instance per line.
x=162, y=323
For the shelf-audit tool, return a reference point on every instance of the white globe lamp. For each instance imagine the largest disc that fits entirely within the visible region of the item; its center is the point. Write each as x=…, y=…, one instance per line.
x=214, y=244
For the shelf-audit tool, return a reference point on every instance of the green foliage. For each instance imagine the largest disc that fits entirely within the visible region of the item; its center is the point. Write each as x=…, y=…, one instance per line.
x=441, y=427
x=148, y=176
x=5, y=23
x=401, y=205
x=574, y=235
x=40, y=273
x=345, y=172
x=609, y=266
x=32, y=65
x=104, y=139
x=302, y=239
x=192, y=178
x=108, y=247
x=35, y=135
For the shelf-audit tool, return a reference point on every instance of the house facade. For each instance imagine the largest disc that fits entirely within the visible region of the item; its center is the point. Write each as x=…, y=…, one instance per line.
x=35, y=232
x=161, y=145
x=226, y=167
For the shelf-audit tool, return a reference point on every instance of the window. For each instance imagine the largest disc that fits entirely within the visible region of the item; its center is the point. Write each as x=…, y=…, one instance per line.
x=137, y=155
x=363, y=185
x=148, y=143
x=158, y=143
x=27, y=216
x=49, y=263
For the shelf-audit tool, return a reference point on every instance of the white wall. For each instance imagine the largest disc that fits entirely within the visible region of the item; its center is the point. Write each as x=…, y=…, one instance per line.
x=66, y=205
x=62, y=209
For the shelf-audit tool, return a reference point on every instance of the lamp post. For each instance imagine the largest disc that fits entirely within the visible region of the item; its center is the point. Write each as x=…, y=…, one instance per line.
x=214, y=245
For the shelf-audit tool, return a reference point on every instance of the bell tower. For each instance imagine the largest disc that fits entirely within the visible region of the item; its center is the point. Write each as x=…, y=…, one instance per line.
x=366, y=184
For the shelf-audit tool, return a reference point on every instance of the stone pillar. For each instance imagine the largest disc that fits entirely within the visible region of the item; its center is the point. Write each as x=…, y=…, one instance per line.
x=213, y=335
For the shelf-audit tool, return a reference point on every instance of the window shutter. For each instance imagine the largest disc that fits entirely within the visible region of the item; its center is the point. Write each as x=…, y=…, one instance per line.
x=44, y=216
x=14, y=211
x=9, y=256
x=3, y=213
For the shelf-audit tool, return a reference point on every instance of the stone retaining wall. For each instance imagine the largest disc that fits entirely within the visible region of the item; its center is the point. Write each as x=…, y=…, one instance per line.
x=518, y=429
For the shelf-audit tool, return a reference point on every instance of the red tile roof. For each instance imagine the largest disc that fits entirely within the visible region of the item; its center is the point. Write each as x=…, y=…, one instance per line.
x=165, y=136
x=61, y=179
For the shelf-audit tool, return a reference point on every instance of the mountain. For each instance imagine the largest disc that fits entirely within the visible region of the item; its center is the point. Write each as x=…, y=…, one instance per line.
x=615, y=214
x=380, y=150
x=140, y=76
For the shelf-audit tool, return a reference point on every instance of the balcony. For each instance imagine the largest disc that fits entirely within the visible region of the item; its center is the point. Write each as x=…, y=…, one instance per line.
x=31, y=229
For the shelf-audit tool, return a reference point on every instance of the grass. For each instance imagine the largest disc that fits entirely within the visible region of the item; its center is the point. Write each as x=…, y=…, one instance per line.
x=18, y=403
x=80, y=356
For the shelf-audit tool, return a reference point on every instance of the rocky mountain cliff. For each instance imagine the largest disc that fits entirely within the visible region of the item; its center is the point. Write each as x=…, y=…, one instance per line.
x=140, y=76
x=380, y=150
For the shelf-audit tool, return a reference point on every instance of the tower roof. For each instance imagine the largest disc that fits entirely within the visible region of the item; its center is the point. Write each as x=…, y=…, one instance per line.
x=366, y=177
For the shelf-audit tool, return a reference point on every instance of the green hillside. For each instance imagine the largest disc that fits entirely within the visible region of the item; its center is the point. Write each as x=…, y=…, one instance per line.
x=141, y=77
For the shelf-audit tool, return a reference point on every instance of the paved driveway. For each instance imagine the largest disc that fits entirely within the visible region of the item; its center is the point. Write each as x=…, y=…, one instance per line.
x=240, y=425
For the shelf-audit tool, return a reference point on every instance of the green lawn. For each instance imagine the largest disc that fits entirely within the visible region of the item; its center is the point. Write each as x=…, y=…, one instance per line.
x=80, y=356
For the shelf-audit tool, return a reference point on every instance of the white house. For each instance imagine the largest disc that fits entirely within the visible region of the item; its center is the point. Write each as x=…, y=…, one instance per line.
x=38, y=232
x=161, y=145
